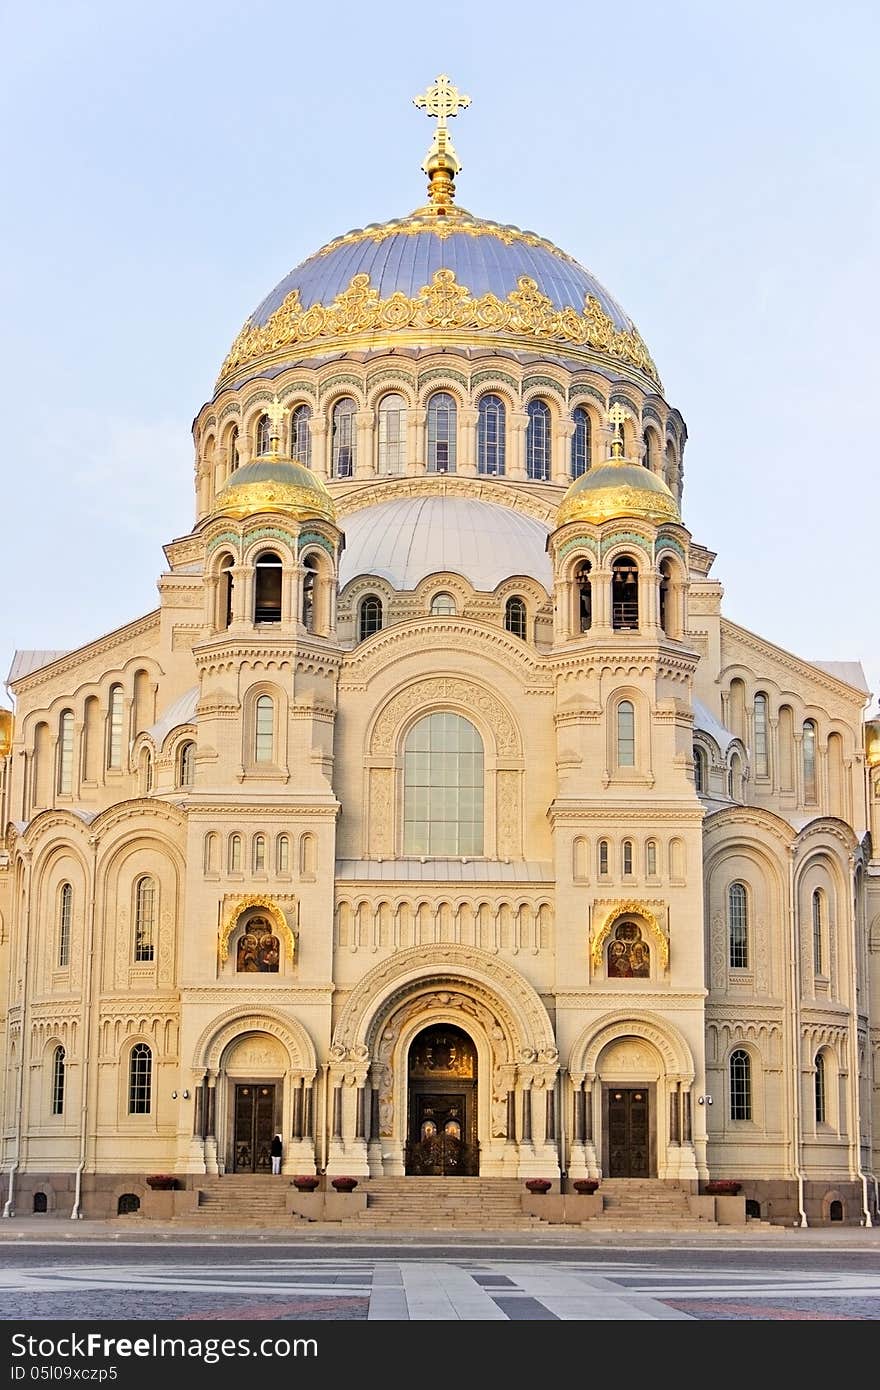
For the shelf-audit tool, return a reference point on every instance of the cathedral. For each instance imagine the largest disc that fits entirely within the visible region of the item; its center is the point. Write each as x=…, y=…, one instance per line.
x=548, y=868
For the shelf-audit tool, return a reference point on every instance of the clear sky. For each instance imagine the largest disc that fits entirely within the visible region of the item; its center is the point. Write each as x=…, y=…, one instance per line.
x=715, y=166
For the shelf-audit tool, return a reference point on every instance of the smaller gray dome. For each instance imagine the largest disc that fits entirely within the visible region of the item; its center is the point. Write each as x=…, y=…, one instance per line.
x=404, y=541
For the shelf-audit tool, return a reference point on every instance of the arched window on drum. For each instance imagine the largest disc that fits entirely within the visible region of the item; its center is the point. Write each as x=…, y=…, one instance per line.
x=443, y=787
x=491, y=435
x=441, y=433
x=343, y=438
x=580, y=442
x=538, y=441
x=392, y=434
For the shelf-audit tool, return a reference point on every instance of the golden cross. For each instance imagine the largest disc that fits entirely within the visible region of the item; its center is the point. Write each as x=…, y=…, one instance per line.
x=275, y=412
x=442, y=100
x=616, y=416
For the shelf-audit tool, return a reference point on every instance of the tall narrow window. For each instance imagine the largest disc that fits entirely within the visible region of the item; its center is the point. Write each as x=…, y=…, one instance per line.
x=603, y=857
x=224, y=597
x=264, y=729
x=144, y=919
x=343, y=441
x=738, y=926
x=186, y=764
x=651, y=859
x=584, y=596
x=627, y=858
x=65, y=753
x=65, y=917
x=624, y=594
x=667, y=606
x=580, y=442
x=267, y=588
x=538, y=441
x=809, y=759
x=58, y=1081
x=735, y=778
x=649, y=457
x=369, y=616
x=740, y=1085
x=140, y=1080
x=700, y=783
x=760, y=717
x=282, y=855
x=145, y=772
x=232, y=448
x=515, y=616
x=443, y=787
x=301, y=435
x=310, y=595
x=441, y=433
x=491, y=435
x=819, y=1088
x=210, y=853
x=114, y=735
x=259, y=854
x=818, y=959
x=443, y=605
x=263, y=438
x=626, y=734
x=392, y=434
x=235, y=854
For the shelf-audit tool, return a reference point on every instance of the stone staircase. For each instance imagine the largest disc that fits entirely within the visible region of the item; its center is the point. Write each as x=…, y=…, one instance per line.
x=440, y=1204
x=645, y=1204
x=242, y=1199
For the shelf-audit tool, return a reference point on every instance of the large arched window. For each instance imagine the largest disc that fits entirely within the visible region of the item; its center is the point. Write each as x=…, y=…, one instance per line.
x=343, y=441
x=140, y=1080
x=809, y=759
x=624, y=594
x=515, y=616
x=819, y=1089
x=114, y=729
x=762, y=766
x=144, y=919
x=443, y=787
x=580, y=442
x=301, y=435
x=58, y=1070
x=441, y=433
x=186, y=764
x=263, y=436
x=818, y=931
x=626, y=734
x=65, y=918
x=65, y=753
x=738, y=926
x=491, y=435
x=392, y=434
x=740, y=1085
x=538, y=441
x=369, y=616
x=264, y=729
x=267, y=588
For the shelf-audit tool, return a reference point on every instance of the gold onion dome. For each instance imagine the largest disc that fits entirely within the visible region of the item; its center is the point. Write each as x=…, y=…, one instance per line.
x=276, y=484
x=618, y=488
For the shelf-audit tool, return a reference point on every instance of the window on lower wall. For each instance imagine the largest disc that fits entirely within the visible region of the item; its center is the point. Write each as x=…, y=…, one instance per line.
x=740, y=1085
x=140, y=1080
x=58, y=1072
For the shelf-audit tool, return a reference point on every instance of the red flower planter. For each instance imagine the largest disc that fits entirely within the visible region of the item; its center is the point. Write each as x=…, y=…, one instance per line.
x=306, y=1182
x=539, y=1185
x=163, y=1182
x=722, y=1187
x=344, y=1184
x=585, y=1184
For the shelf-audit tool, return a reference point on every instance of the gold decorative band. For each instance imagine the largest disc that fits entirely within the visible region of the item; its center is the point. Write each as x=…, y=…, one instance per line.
x=601, y=504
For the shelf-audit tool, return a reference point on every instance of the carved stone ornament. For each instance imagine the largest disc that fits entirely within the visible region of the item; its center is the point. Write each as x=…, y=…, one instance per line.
x=429, y=693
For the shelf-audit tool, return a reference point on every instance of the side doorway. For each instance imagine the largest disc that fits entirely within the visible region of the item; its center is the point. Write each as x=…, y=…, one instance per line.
x=628, y=1128
x=254, y=1128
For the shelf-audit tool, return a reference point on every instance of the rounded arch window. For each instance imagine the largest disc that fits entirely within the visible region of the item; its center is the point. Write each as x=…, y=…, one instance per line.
x=443, y=605
x=491, y=435
x=282, y=854
x=443, y=787
x=144, y=918
x=603, y=857
x=738, y=926
x=583, y=584
x=259, y=854
x=819, y=1096
x=234, y=854
x=140, y=1080
x=186, y=764
x=735, y=778
x=264, y=729
x=301, y=435
x=343, y=438
x=700, y=770
x=581, y=441
x=538, y=441
x=267, y=588
x=515, y=616
x=392, y=434
x=224, y=596
x=65, y=920
x=263, y=436
x=809, y=759
x=818, y=906
x=232, y=448
x=58, y=1077
x=310, y=594
x=369, y=616
x=442, y=416
x=740, y=1085
x=626, y=734
x=667, y=614
x=624, y=594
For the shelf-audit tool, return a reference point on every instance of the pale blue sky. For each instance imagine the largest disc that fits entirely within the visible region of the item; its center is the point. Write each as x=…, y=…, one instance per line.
x=714, y=166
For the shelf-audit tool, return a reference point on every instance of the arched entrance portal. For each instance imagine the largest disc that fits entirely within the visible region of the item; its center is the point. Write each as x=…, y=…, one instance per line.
x=254, y=1067
x=442, y=1085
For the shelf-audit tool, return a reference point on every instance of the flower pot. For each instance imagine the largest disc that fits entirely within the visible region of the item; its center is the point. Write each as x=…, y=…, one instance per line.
x=344, y=1184
x=163, y=1182
x=306, y=1183
x=539, y=1185
x=722, y=1187
x=585, y=1184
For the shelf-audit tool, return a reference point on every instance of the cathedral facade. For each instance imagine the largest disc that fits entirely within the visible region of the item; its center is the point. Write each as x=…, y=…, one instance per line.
x=547, y=867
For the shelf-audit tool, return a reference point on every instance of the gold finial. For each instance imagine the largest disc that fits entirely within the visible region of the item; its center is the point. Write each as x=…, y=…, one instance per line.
x=275, y=413
x=616, y=416
x=441, y=101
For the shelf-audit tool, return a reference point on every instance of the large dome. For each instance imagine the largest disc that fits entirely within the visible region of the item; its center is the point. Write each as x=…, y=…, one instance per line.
x=406, y=540
x=448, y=273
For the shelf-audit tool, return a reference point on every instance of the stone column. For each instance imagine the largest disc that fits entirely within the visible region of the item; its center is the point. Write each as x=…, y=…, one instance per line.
x=297, y=1129
x=365, y=460
x=211, y=1146
x=308, y=1111
x=360, y=1122
x=550, y=1117
x=416, y=420
x=527, y=1115
x=515, y=467
x=466, y=443
x=319, y=433
x=560, y=458
x=336, y=1130
x=511, y=1117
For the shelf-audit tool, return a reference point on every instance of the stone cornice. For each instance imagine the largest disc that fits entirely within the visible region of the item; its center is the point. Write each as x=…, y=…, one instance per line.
x=140, y=627
x=608, y=812
x=635, y=1000
x=732, y=632
x=282, y=806
x=249, y=996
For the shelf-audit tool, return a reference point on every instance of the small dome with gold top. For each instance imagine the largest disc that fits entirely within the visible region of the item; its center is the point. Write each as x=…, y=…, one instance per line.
x=618, y=488
x=273, y=483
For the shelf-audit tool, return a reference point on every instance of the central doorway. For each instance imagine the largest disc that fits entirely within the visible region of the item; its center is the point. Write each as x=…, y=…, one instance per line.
x=628, y=1126
x=254, y=1129
x=442, y=1128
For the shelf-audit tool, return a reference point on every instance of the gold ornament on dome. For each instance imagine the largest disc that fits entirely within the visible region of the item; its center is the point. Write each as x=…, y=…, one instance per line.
x=443, y=305
x=607, y=502
x=249, y=499
x=440, y=102
x=627, y=909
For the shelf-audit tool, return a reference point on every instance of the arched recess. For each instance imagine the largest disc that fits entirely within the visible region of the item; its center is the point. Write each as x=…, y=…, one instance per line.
x=642, y=913
x=266, y=906
x=669, y=1042
x=233, y=1025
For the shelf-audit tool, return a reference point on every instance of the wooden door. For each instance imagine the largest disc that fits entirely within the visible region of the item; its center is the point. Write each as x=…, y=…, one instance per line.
x=254, y=1128
x=629, y=1138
